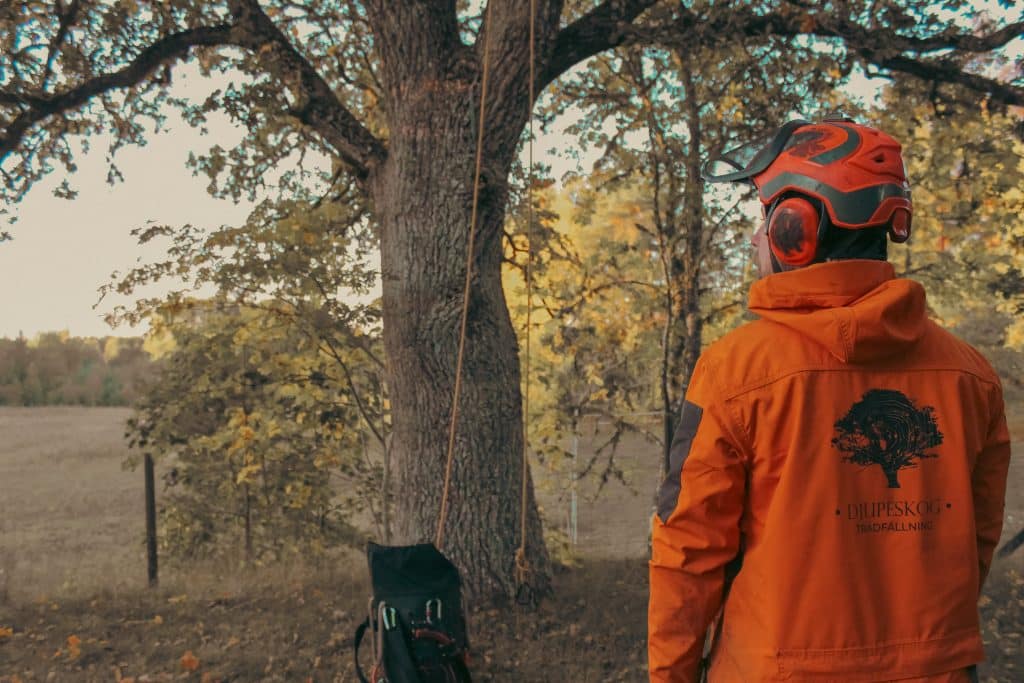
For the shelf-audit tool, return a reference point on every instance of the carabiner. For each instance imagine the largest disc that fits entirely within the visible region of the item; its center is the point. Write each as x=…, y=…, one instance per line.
x=388, y=617
x=430, y=613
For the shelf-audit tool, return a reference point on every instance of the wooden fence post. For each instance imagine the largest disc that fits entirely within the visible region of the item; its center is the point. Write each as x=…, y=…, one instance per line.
x=151, y=556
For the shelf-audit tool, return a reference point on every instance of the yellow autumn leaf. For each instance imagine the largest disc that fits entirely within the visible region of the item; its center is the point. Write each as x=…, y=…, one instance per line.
x=248, y=473
x=241, y=336
x=6, y=632
x=1015, y=335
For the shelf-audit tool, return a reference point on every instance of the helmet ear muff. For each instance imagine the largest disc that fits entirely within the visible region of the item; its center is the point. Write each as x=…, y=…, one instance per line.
x=794, y=226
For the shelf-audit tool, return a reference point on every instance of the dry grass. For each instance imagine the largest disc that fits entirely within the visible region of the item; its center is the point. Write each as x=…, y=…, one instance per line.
x=70, y=517
x=71, y=564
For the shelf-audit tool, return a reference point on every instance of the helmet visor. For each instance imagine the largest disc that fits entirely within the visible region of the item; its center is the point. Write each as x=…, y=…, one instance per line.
x=744, y=162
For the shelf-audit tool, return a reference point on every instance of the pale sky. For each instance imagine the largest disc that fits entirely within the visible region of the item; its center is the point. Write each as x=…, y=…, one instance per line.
x=63, y=251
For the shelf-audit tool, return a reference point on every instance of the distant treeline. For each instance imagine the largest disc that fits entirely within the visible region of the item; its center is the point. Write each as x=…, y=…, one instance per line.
x=56, y=369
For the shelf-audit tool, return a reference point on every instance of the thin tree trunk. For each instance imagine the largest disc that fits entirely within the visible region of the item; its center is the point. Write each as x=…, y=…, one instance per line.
x=689, y=264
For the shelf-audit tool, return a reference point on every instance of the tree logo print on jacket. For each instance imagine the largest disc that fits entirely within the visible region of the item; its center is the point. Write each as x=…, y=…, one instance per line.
x=885, y=428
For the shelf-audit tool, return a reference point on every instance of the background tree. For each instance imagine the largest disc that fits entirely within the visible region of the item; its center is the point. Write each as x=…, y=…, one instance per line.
x=55, y=368
x=967, y=175
x=591, y=352
x=387, y=89
x=270, y=402
x=656, y=114
x=264, y=450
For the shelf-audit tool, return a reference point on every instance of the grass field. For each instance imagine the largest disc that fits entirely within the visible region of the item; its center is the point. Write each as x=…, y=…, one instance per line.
x=72, y=581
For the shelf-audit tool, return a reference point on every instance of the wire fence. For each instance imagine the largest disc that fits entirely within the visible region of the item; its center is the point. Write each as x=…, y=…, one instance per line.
x=603, y=505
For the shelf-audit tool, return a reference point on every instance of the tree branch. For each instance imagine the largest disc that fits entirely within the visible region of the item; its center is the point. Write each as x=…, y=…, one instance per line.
x=603, y=28
x=963, y=42
x=886, y=49
x=66, y=19
x=321, y=109
x=946, y=71
x=40, y=107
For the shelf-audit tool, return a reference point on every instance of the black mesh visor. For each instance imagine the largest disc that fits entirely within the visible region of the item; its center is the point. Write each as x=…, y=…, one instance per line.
x=746, y=161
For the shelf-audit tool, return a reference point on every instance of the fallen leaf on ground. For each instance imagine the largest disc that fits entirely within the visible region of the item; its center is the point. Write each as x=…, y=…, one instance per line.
x=6, y=632
x=189, y=661
x=74, y=647
x=158, y=620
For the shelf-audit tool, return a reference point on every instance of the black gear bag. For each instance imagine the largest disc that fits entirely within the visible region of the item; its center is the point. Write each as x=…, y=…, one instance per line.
x=415, y=617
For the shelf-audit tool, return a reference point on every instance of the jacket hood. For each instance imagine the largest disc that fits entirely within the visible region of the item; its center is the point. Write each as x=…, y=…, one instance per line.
x=856, y=309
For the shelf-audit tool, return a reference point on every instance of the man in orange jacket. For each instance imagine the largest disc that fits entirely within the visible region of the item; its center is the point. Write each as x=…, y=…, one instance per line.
x=839, y=467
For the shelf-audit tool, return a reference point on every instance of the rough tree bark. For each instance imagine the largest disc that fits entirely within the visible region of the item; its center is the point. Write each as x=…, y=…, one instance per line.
x=422, y=196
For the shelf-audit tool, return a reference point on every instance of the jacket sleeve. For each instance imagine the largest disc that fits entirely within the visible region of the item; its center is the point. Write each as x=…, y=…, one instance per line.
x=695, y=532
x=988, y=485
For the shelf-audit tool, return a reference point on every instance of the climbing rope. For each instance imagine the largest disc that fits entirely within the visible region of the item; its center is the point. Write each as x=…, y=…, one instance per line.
x=439, y=538
x=522, y=563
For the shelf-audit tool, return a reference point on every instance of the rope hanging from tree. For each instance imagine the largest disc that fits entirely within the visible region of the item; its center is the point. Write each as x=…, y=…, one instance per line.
x=522, y=562
x=471, y=240
x=522, y=566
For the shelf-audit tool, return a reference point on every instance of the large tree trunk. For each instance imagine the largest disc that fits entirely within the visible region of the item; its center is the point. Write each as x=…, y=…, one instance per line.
x=422, y=198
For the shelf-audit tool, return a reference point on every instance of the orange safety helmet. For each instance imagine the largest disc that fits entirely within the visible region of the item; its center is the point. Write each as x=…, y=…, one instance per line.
x=855, y=173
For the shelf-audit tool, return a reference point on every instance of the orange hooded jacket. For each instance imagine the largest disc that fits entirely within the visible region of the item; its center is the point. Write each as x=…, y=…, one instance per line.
x=844, y=460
